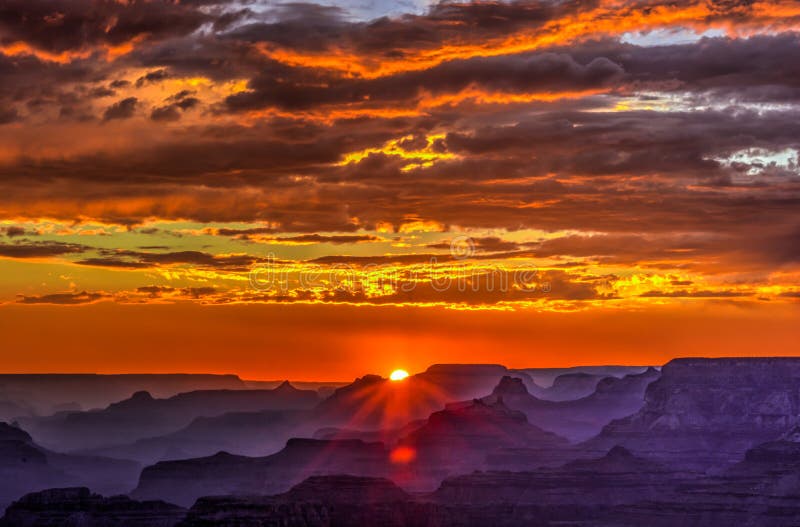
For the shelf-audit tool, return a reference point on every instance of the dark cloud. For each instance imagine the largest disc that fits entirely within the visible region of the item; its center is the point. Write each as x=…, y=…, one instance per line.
x=637, y=144
x=244, y=232
x=694, y=294
x=155, y=291
x=313, y=27
x=64, y=298
x=67, y=25
x=178, y=103
x=14, y=230
x=326, y=238
x=138, y=259
x=102, y=91
x=297, y=88
x=790, y=294
x=165, y=113
x=152, y=76
x=123, y=109
x=198, y=292
x=43, y=249
x=117, y=263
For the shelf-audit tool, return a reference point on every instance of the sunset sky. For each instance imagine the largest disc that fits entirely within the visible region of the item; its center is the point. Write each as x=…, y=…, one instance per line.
x=318, y=191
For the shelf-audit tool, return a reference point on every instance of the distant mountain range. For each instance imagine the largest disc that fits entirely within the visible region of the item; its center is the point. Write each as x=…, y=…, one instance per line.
x=143, y=416
x=26, y=466
x=696, y=442
x=582, y=417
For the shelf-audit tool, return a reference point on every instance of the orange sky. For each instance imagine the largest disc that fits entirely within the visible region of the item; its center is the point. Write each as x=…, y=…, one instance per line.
x=308, y=191
x=318, y=342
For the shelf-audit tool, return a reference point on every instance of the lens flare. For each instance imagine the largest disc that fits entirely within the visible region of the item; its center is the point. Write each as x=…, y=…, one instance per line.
x=402, y=455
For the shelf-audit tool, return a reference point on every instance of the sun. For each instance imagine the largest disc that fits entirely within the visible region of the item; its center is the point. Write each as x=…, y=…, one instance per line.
x=398, y=375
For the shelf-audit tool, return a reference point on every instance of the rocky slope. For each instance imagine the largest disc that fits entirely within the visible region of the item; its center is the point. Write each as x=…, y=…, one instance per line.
x=253, y=434
x=581, y=418
x=26, y=467
x=615, y=478
x=618, y=489
x=706, y=413
x=372, y=402
x=45, y=393
x=78, y=507
x=463, y=436
x=545, y=377
x=184, y=481
x=570, y=386
x=143, y=416
x=451, y=441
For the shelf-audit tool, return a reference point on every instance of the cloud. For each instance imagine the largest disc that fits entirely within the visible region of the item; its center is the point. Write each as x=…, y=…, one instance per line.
x=113, y=263
x=64, y=298
x=66, y=25
x=122, y=109
x=693, y=294
x=297, y=88
x=178, y=103
x=14, y=230
x=43, y=249
x=139, y=259
x=326, y=238
x=152, y=76
x=299, y=124
x=487, y=244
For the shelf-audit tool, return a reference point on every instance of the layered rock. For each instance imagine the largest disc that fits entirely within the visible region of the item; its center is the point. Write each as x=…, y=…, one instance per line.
x=451, y=441
x=545, y=377
x=253, y=434
x=347, y=489
x=570, y=386
x=615, y=478
x=184, y=481
x=26, y=467
x=704, y=413
x=582, y=418
x=318, y=501
x=386, y=436
x=463, y=438
x=143, y=416
x=78, y=507
x=618, y=489
x=372, y=402
x=45, y=393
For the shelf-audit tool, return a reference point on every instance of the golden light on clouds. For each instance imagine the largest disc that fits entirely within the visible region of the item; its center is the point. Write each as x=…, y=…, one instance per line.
x=469, y=160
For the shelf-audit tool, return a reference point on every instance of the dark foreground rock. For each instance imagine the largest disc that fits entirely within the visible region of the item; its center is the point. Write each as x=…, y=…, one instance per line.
x=78, y=507
x=618, y=489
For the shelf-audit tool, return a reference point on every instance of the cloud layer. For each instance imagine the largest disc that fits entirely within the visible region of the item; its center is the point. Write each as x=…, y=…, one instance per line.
x=628, y=152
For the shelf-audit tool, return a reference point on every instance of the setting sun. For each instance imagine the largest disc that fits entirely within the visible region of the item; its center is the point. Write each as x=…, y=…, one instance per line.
x=398, y=375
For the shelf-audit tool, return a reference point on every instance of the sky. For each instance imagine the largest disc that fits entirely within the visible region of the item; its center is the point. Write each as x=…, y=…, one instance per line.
x=319, y=191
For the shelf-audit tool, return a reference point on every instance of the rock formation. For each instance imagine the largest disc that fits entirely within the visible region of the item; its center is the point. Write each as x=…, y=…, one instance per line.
x=78, y=507
x=704, y=413
x=582, y=418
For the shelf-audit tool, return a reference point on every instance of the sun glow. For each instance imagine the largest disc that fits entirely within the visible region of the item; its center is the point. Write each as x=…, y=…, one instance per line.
x=398, y=375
